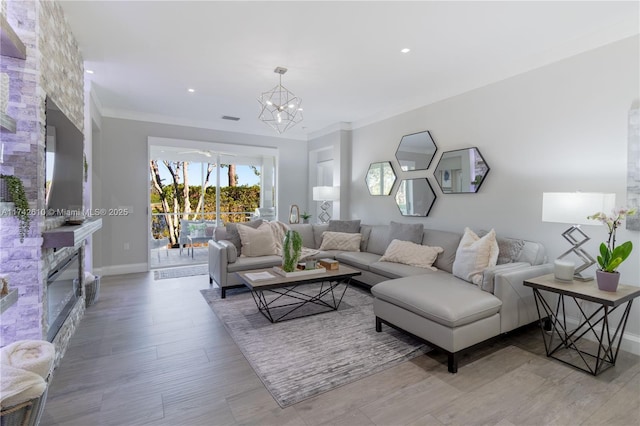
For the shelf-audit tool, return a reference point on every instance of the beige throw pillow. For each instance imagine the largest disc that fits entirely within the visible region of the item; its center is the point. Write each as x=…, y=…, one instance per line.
x=474, y=255
x=413, y=254
x=257, y=242
x=340, y=241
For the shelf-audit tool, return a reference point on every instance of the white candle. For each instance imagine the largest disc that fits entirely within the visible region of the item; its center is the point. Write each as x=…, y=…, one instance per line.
x=563, y=270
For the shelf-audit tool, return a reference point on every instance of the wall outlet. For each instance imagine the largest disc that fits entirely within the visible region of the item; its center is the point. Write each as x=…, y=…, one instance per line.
x=126, y=246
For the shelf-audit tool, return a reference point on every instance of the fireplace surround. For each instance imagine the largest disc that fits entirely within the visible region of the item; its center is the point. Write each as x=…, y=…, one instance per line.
x=63, y=291
x=53, y=69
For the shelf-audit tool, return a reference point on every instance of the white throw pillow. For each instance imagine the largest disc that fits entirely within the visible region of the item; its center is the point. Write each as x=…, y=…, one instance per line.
x=257, y=242
x=340, y=241
x=413, y=254
x=474, y=255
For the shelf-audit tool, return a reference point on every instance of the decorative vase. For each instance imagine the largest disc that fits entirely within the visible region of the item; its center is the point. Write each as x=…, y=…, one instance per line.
x=291, y=250
x=607, y=281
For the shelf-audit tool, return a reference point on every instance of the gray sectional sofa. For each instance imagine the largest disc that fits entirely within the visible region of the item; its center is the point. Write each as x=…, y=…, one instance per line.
x=447, y=312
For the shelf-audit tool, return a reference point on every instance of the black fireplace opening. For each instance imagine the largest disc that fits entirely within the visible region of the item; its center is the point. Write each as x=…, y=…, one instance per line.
x=63, y=290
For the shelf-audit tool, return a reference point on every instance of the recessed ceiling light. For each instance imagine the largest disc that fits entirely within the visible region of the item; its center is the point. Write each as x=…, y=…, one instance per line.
x=406, y=50
x=191, y=90
x=89, y=71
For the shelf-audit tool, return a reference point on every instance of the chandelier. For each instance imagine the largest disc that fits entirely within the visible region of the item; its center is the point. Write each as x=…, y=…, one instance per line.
x=280, y=108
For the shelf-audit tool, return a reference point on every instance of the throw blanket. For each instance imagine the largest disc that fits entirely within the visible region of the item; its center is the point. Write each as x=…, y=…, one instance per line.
x=279, y=229
x=18, y=386
x=35, y=356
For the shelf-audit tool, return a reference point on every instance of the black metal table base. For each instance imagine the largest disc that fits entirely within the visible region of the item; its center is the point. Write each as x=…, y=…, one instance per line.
x=327, y=298
x=565, y=339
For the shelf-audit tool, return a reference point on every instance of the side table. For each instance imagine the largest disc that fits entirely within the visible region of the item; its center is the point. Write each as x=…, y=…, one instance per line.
x=191, y=239
x=567, y=340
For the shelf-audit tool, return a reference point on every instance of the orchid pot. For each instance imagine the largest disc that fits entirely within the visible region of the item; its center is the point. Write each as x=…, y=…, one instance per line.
x=611, y=256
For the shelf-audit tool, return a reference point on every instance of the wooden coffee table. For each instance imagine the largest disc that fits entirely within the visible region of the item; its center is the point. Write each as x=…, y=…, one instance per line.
x=280, y=298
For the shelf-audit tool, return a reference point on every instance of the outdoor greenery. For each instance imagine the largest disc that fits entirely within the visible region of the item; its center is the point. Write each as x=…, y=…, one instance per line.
x=177, y=199
x=232, y=199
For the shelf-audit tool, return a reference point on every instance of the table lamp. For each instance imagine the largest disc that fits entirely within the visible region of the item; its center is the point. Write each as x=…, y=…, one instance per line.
x=573, y=208
x=326, y=194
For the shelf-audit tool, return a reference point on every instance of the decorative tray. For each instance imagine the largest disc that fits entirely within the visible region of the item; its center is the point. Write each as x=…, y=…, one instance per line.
x=299, y=272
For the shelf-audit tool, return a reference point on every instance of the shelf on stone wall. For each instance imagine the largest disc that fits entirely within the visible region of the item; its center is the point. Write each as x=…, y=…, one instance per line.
x=7, y=301
x=12, y=46
x=10, y=43
x=7, y=122
x=70, y=236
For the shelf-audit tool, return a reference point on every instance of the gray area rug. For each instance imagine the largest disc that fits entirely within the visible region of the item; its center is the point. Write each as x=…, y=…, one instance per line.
x=185, y=271
x=303, y=357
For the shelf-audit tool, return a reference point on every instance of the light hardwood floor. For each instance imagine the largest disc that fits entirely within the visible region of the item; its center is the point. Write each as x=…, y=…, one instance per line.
x=152, y=352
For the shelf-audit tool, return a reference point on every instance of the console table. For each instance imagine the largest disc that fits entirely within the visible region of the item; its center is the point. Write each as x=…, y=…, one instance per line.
x=562, y=343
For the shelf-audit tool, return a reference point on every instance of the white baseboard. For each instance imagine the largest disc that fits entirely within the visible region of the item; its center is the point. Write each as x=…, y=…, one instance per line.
x=629, y=343
x=132, y=268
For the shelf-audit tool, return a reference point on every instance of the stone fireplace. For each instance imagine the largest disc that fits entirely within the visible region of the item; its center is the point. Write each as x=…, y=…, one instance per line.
x=63, y=291
x=53, y=68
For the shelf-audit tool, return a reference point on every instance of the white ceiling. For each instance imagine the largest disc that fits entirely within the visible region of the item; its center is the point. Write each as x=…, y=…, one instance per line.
x=343, y=58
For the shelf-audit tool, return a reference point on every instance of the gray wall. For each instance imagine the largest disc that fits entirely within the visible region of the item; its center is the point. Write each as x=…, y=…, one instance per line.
x=120, y=160
x=560, y=128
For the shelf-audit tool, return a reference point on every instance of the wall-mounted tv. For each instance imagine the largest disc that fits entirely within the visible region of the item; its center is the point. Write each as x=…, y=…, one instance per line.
x=64, y=170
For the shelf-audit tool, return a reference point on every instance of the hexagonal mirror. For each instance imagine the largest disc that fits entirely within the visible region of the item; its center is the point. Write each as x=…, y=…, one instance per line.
x=461, y=171
x=380, y=178
x=416, y=151
x=415, y=197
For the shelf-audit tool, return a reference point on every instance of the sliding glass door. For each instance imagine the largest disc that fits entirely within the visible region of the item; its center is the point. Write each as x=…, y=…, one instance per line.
x=194, y=190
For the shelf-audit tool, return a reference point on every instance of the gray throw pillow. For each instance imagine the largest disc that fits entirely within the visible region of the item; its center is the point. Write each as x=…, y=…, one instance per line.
x=406, y=232
x=509, y=249
x=349, y=226
x=234, y=236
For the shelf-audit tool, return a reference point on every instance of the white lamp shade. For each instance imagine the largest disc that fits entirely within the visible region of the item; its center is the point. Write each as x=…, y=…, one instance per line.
x=326, y=193
x=574, y=207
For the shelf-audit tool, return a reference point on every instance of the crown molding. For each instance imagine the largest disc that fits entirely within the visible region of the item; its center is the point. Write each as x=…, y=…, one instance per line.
x=342, y=125
x=175, y=121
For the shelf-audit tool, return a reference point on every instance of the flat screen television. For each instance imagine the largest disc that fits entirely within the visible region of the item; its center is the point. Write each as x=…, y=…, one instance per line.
x=64, y=168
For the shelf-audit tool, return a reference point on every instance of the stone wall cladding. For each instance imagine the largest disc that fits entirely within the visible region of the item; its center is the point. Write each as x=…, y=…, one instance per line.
x=54, y=68
x=21, y=261
x=62, y=69
x=61, y=341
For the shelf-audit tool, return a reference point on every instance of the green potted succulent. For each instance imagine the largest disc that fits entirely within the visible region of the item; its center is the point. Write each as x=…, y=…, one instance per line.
x=291, y=250
x=19, y=199
x=612, y=255
x=305, y=217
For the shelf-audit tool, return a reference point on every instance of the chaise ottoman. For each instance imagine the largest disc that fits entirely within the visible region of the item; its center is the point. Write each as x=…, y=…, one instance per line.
x=445, y=311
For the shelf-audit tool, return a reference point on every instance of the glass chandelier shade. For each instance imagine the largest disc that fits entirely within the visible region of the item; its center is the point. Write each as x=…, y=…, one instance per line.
x=280, y=108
